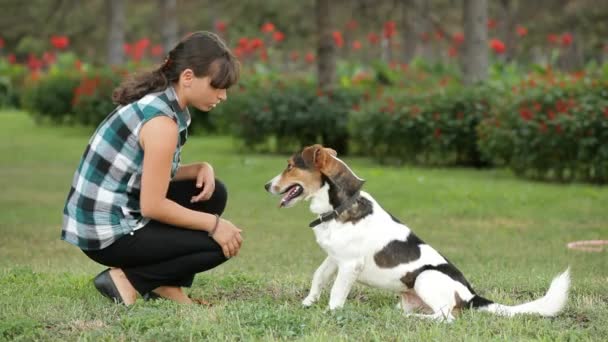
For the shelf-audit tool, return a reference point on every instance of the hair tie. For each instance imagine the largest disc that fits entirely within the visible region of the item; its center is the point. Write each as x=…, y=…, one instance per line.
x=166, y=63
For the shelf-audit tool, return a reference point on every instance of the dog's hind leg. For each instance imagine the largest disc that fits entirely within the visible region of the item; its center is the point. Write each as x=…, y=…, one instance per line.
x=319, y=280
x=410, y=302
x=440, y=293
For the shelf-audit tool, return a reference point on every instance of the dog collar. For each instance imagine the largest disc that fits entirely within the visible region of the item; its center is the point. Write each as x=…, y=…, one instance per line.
x=331, y=215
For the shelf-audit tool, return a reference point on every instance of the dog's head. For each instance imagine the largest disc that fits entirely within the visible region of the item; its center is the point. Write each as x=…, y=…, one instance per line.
x=306, y=173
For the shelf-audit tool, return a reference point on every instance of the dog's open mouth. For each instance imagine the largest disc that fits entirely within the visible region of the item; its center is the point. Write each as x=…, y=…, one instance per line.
x=290, y=194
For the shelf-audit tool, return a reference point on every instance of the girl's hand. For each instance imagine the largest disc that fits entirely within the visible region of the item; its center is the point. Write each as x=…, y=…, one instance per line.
x=205, y=179
x=228, y=236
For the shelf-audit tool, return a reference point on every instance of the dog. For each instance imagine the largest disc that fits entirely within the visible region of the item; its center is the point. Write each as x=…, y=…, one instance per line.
x=366, y=244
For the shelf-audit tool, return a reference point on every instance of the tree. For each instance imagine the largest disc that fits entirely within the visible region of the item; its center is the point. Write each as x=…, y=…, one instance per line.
x=475, y=64
x=326, y=64
x=116, y=34
x=168, y=22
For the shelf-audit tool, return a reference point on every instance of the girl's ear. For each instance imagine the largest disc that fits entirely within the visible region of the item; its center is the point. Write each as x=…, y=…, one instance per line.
x=186, y=77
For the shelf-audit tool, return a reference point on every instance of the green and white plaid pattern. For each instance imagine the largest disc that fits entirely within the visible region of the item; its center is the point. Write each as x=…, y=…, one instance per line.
x=103, y=202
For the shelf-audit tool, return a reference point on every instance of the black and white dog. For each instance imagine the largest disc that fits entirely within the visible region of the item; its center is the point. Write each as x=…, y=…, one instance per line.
x=364, y=243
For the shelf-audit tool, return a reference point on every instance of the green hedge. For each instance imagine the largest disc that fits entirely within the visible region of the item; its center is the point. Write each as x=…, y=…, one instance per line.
x=435, y=129
x=552, y=132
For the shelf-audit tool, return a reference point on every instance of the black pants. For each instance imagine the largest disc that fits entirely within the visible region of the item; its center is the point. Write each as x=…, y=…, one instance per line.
x=160, y=254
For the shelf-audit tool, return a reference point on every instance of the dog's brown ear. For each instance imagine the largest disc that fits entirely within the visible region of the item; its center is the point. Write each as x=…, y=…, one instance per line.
x=317, y=156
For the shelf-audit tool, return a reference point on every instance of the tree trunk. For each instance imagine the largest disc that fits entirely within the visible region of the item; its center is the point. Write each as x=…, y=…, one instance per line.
x=168, y=24
x=326, y=64
x=116, y=34
x=475, y=17
x=507, y=28
x=408, y=28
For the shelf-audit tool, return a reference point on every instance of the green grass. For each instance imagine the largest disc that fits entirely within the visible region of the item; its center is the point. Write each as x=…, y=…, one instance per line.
x=508, y=236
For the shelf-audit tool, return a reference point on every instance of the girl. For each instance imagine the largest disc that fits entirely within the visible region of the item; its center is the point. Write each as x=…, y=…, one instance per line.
x=132, y=206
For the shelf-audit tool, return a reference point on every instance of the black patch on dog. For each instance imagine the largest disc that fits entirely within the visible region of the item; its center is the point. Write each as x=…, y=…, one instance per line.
x=338, y=195
x=448, y=269
x=361, y=209
x=399, y=252
x=478, y=301
x=299, y=162
x=393, y=217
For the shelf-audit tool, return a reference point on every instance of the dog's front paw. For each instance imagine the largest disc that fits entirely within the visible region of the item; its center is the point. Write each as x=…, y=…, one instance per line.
x=308, y=301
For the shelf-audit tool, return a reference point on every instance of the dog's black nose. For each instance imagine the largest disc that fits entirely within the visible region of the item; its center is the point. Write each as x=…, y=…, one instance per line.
x=267, y=186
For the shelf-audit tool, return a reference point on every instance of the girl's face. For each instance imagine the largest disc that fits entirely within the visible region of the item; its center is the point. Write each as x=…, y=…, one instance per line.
x=199, y=93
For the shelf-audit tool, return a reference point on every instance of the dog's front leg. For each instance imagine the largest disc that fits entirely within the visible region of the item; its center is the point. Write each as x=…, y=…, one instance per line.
x=347, y=274
x=319, y=280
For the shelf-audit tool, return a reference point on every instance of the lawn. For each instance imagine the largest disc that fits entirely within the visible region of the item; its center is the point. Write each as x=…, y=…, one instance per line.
x=508, y=236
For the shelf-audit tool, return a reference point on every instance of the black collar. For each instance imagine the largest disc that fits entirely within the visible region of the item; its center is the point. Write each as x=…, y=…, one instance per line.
x=328, y=216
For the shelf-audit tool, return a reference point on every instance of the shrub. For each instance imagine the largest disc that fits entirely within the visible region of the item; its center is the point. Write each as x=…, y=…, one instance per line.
x=439, y=128
x=51, y=96
x=294, y=116
x=91, y=100
x=551, y=131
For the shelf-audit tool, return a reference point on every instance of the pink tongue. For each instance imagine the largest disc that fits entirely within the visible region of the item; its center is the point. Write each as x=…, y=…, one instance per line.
x=287, y=196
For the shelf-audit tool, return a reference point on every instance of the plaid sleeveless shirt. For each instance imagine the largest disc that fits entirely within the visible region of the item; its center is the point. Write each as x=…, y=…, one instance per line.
x=103, y=202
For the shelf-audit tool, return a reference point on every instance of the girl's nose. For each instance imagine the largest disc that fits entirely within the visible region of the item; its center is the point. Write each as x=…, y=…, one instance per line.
x=223, y=95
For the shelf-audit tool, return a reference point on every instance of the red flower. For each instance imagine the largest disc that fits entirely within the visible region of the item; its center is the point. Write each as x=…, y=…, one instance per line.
x=551, y=114
x=33, y=63
x=338, y=40
x=12, y=59
x=497, y=45
x=452, y=51
x=526, y=114
x=294, y=56
x=1, y=43
x=373, y=38
x=492, y=24
x=389, y=29
x=220, y=26
x=157, y=50
x=458, y=38
x=521, y=31
x=553, y=38
x=60, y=42
x=278, y=36
x=352, y=25
x=78, y=65
x=310, y=57
x=263, y=55
x=356, y=45
x=567, y=39
x=142, y=44
x=267, y=27
x=48, y=58
x=255, y=43
x=437, y=133
x=126, y=47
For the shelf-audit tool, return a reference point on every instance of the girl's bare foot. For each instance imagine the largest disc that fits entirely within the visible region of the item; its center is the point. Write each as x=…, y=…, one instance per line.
x=123, y=285
x=173, y=293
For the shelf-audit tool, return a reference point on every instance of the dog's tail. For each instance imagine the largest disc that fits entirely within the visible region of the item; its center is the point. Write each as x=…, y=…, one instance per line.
x=549, y=305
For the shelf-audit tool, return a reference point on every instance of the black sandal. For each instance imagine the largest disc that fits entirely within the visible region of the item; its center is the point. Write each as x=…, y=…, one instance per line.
x=104, y=284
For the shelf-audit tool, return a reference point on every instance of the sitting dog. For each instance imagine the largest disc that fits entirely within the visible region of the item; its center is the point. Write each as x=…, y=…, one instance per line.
x=364, y=243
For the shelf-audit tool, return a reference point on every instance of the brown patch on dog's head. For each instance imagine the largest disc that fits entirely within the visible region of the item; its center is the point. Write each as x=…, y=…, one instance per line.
x=325, y=161
x=305, y=174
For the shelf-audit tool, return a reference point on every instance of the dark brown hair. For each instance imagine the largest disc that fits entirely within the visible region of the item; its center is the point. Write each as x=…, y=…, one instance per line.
x=203, y=52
